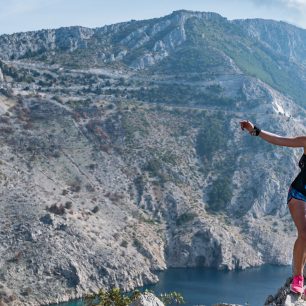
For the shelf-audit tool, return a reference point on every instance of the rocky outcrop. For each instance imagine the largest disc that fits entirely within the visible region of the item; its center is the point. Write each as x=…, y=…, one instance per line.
x=147, y=299
x=69, y=39
x=1, y=76
x=33, y=43
x=269, y=31
x=284, y=297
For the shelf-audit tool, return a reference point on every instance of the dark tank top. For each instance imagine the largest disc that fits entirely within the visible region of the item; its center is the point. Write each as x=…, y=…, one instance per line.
x=299, y=182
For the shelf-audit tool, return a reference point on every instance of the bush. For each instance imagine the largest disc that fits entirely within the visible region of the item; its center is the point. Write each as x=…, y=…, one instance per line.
x=95, y=209
x=68, y=204
x=75, y=187
x=137, y=244
x=124, y=243
x=172, y=298
x=89, y=188
x=220, y=194
x=113, y=297
x=57, y=210
x=184, y=218
x=211, y=137
x=139, y=185
x=153, y=167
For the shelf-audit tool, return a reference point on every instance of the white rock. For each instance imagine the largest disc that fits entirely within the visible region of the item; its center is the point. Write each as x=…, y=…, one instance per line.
x=1, y=76
x=294, y=300
x=147, y=299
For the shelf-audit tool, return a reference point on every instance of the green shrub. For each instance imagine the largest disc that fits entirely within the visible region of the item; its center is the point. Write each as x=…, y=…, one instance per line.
x=184, y=218
x=153, y=167
x=95, y=209
x=57, y=210
x=68, y=204
x=172, y=298
x=139, y=185
x=124, y=243
x=220, y=194
x=211, y=137
x=113, y=297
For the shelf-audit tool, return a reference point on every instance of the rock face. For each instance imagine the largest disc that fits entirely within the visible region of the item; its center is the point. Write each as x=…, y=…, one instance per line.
x=121, y=153
x=269, y=31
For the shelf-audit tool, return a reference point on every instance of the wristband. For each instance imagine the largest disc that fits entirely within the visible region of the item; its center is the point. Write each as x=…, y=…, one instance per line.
x=255, y=131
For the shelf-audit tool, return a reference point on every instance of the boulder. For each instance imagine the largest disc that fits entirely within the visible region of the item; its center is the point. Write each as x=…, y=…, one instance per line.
x=147, y=299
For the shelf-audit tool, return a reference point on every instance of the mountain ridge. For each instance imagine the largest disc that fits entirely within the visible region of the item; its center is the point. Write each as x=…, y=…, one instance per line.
x=277, y=60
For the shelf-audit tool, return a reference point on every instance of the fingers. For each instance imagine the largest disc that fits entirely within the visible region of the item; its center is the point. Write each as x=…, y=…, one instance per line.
x=243, y=124
x=246, y=124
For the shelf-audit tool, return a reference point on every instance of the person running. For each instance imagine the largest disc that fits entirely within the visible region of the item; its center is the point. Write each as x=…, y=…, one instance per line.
x=296, y=199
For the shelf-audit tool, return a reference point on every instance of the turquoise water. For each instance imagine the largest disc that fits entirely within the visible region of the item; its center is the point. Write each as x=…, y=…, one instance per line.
x=207, y=286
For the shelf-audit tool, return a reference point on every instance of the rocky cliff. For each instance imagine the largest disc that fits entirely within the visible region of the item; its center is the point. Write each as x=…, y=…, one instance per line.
x=121, y=153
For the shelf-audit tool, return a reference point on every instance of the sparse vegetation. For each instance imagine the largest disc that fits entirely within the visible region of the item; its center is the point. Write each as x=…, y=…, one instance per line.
x=57, y=209
x=220, y=194
x=115, y=297
x=68, y=204
x=75, y=186
x=124, y=243
x=95, y=209
x=211, y=137
x=185, y=218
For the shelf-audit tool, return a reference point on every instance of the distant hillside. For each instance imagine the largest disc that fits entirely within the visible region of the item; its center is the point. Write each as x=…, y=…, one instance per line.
x=183, y=42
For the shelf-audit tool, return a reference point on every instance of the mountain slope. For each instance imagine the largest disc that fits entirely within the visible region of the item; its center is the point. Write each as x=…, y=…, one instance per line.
x=121, y=152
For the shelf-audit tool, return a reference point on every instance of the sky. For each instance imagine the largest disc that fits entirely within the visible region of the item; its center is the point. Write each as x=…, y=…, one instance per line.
x=28, y=15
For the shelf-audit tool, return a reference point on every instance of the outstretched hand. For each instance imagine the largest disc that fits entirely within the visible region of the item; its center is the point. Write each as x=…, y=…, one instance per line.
x=247, y=125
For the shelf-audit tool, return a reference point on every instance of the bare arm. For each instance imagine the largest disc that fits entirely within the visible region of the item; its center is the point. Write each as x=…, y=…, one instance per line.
x=295, y=142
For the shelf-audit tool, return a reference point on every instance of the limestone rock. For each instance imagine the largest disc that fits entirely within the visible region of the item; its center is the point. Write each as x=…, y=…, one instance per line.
x=1, y=76
x=294, y=300
x=8, y=297
x=147, y=299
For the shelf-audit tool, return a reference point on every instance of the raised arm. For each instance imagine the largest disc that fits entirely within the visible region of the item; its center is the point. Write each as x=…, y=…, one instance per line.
x=295, y=142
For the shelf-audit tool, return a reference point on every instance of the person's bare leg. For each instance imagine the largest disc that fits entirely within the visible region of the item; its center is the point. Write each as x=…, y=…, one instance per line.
x=298, y=257
x=298, y=212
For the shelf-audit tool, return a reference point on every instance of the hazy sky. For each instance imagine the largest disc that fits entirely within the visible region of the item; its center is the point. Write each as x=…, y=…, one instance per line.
x=25, y=15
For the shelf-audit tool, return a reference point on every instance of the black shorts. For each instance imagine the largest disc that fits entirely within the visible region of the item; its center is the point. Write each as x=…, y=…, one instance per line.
x=293, y=193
